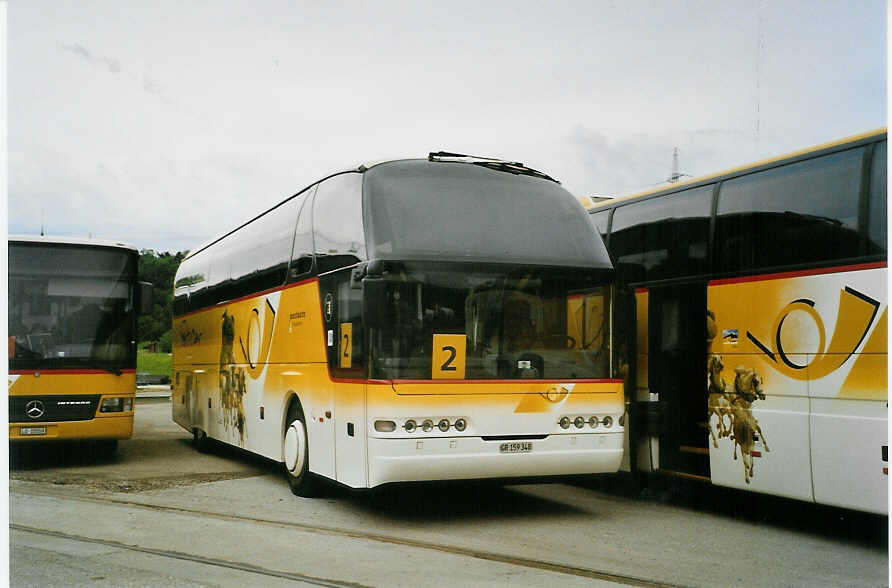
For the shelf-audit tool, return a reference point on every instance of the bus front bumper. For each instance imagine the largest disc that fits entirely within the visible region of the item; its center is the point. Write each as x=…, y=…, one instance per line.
x=104, y=427
x=460, y=458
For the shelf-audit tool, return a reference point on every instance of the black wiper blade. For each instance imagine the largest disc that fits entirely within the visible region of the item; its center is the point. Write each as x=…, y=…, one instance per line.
x=514, y=167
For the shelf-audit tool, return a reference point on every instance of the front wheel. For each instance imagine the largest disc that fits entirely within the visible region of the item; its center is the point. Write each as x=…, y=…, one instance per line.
x=297, y=454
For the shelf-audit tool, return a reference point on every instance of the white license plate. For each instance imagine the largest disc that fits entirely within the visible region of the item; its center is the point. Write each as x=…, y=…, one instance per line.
x=32, y=431
x=518, y=447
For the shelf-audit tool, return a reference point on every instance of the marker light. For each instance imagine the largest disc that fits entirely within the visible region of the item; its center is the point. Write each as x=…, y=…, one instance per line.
x=427, y=426
x=410, y=426
x=443, y=425
x=385, y=426
x=461, y=424
x=579, y=422
x=565, y=422
x=608, y=421
x=593, y=422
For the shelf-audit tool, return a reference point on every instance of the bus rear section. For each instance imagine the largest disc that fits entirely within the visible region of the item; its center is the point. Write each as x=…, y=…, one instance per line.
x=72, y=330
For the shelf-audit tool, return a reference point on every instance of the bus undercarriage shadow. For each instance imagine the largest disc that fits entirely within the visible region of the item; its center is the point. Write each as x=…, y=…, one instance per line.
x=452, y=500
x=864, y=528
x=55, y=454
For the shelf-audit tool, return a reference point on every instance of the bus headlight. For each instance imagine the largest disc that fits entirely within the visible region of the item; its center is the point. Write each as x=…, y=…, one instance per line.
x=608, y=421
x=564, y=422
x=427, y=426
x=461, y=424
x=410, y=426
x=579, y=422
x=116, y=405
x=593, y=422
x=443, y=425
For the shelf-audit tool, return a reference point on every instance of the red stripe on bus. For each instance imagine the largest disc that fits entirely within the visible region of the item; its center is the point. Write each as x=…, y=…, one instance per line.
x=522, y=381
x=640, y=290
x=248, y=297
x=66, y=372
x=800, y=273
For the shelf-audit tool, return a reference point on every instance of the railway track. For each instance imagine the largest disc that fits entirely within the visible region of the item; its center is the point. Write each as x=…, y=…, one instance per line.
x=524, y=562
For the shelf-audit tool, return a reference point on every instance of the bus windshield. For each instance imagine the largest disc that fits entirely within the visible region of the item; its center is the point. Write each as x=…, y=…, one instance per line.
x=519, y=322
x=417, y=209
x=70, y=307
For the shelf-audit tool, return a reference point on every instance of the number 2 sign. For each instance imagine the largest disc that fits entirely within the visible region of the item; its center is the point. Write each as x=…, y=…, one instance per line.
x=448, y=357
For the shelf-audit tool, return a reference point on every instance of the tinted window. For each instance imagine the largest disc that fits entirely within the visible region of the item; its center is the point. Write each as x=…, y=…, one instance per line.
x=251, y=259
x=461, y=212
x=257, y=255
x=664, y=237
x=805, y=212
x=600, y=220
x=70, y=306
x=302, y=252
x=338, y=236
x=876, y=219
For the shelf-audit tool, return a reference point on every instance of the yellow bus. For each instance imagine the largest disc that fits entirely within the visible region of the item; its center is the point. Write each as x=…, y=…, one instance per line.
x=72, y=339
x=752, y=324
x=421, y=319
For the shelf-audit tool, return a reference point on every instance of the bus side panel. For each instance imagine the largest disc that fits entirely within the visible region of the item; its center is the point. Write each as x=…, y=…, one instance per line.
x=848, y=405
x=816, y=338
x=181, y=398
x=350, y=433
x=239, y=363
x=762, y=442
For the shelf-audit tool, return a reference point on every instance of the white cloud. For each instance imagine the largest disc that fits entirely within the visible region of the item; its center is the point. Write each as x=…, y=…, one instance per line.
x=214, y=112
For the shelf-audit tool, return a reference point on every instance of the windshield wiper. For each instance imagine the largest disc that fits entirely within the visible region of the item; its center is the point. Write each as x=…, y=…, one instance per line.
x=513, y=167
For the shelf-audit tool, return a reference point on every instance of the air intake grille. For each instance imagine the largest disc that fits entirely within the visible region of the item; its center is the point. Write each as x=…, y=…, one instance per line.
x=43, y=409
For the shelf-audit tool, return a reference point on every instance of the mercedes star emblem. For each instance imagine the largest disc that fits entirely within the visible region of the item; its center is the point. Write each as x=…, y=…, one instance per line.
x=35, y=409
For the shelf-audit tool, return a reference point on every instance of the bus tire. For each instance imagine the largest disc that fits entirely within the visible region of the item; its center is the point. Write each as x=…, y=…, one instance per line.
x=200, y=440
x=297, y=454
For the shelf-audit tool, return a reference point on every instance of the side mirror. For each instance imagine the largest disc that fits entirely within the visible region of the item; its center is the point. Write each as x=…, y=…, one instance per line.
x=374, y=292
x=144, y=297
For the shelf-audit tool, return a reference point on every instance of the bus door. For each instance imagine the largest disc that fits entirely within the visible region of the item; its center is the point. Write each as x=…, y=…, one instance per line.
x=676, y=373
x=342, y=313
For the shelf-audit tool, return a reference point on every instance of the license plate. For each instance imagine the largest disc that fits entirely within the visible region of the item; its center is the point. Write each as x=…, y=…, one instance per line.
x=32, y=431
x=519, y=447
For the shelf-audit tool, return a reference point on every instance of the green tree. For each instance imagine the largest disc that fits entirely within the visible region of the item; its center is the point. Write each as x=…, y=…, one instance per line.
x=159, y=269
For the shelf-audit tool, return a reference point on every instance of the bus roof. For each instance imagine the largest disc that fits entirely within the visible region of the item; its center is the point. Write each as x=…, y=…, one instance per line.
x=739, y=169
x=69, y=241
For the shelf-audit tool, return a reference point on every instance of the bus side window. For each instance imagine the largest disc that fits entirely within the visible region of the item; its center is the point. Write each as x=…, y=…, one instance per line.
x=600, y=220
x=338, y=244
x=876, y=218
x=302, y=251
x=338, y=236
x=663, y=237
x=803, y=212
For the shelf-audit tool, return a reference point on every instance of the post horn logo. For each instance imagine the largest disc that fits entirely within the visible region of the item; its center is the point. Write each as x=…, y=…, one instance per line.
x=857, y=313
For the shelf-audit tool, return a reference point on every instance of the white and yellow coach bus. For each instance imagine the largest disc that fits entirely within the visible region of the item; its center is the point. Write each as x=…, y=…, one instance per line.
x=752, y=312
x=72, y=313
x=429, y=319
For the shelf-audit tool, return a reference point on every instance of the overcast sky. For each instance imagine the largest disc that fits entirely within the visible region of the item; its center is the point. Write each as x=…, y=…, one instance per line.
x=166, y=123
